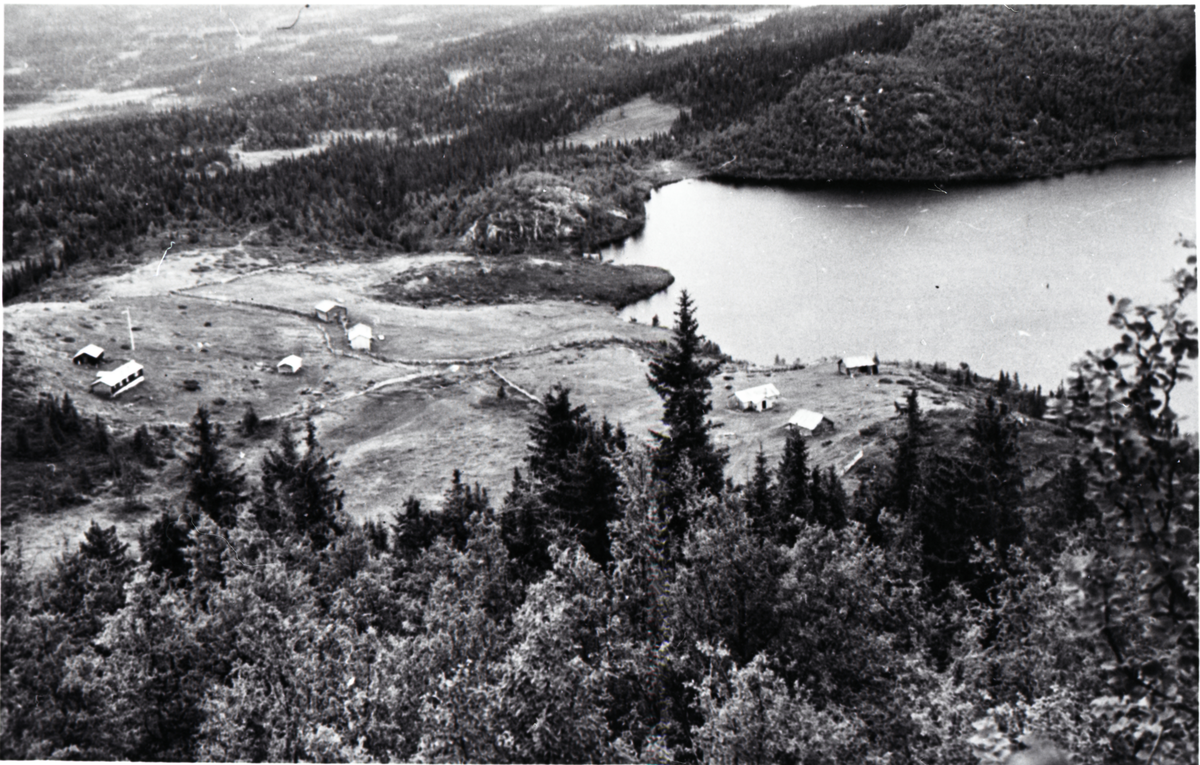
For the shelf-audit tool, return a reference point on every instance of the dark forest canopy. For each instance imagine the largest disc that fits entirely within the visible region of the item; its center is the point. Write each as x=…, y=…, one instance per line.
x=840, y=92
x=984, y=93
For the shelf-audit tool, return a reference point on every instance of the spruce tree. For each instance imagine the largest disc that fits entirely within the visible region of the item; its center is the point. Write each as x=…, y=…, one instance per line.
x=458, y=505
x=758, y=496
x=100, y=440
x=213, y=487
x=792, y=500
x=523, y=528
x=103, y=545
x=828, y=499
x=680, y=376
x=413, y=530
x=279, y=470
x=315, y=500
x=906, y=471
x=163, y=544
x=69, y=420
x=556, y=433
x=299, y=493
x=572, y=475
x=836, y=503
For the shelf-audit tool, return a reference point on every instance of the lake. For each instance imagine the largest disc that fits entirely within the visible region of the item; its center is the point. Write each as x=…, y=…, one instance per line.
x=1011, y=276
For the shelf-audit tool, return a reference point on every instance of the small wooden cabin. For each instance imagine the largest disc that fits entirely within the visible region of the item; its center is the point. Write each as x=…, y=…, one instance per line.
x=119, y=380
x=863, y=365
x=810, y=423
x=90, y=354
x=331, y=311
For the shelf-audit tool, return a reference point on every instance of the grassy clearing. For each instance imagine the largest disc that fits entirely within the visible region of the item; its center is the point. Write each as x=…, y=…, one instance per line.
x=640, y=118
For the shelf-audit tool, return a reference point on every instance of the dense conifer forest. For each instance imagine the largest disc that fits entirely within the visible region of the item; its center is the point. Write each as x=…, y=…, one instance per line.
x=984, y=93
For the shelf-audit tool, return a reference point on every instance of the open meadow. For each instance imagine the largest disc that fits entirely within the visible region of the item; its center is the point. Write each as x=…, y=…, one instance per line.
x=209, y=324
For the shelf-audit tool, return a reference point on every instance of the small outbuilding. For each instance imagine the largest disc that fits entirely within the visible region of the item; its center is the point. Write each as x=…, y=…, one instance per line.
x=91, y=354
x=331, y=311
x=810, y=423
x=360, y=337
x=863, y=365
x=290, y=365
x=119, y=380
x=757, y=399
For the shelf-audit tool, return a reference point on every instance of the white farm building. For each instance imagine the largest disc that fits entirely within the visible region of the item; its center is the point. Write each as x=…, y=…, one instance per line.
x=360, y=336
x=809, y=423
x=757, y=399
x=290, y=365
x=118, y=380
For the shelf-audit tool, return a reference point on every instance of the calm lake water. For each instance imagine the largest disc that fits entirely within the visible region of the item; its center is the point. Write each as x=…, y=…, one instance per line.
x=1008, y=276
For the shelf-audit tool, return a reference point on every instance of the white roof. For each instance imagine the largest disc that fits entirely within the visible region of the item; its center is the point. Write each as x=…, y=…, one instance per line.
x=328, y=305
x=858, y=361
x=360, y=329
x=292, y=361
x=114, y=376
x=805, y=419
x=757, y=393
x=89, y=350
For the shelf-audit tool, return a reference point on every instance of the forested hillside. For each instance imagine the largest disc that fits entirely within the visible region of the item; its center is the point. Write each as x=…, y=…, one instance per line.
x=626, y=602
x=851, y=93
x=982, y=93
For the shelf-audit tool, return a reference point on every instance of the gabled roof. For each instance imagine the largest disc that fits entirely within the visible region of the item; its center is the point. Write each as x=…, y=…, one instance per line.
x=94, y=351
x=293, y=361
x=114, y=376
x=328, y=305
x=805, y=419
x=360, y=330
x=757, y=393
x=852, y=362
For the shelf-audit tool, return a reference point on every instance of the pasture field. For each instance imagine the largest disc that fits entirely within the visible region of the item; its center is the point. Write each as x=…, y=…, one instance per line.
x=403, y=417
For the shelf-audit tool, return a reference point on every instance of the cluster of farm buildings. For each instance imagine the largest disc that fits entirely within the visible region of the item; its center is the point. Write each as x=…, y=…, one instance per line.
x=805, y=421
x=130, y=374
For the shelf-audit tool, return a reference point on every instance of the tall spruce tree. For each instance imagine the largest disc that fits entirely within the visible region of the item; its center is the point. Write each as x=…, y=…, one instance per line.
x=299, y=493
x=459, y=503
x=213, y=487
x=523, y=528
x=572, y=474
x=279, y=469
x=758, y=496
x=828, y=498
x=163, y=545
x=906, y=470
x=680, y=376
x=413, y=529
x=792, y=500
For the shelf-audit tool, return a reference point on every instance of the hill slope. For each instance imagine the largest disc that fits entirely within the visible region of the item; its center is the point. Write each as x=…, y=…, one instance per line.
x=983, y=93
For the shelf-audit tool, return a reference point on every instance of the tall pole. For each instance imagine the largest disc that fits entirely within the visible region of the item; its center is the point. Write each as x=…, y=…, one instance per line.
x=129, y=321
